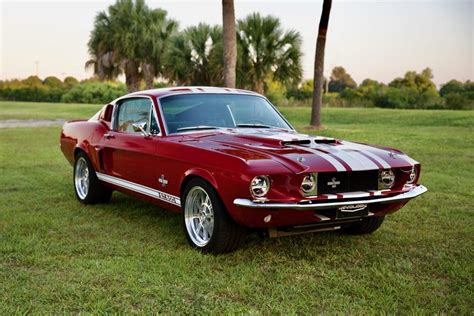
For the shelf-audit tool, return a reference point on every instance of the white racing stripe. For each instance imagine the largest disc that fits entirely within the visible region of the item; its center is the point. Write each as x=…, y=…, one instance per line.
x=378, y=193
x=336, y=164
x=356, y=161
x=160, y=195
x=409, y=160
x=381, y=161
x=353, y=195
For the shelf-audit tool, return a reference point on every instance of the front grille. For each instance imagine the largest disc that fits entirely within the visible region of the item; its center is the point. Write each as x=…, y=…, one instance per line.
x=340, y=182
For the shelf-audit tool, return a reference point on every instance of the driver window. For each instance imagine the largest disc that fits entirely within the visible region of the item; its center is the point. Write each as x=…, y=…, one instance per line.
x=131, y=112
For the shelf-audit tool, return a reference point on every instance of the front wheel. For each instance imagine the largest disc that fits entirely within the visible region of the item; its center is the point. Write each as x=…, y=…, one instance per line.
x=207, y=225
x=366, y=226
x=88, y=188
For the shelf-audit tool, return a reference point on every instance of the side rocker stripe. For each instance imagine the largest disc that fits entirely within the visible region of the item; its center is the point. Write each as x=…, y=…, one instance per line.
x=160, y=195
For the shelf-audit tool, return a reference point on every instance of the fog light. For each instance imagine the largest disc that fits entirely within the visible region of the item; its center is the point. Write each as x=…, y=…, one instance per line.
x=386, y=179
x=259, y=186
x=309, y=184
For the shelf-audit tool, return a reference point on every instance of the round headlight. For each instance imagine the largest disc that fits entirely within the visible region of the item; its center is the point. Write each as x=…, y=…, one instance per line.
x=308, y=185
x=387, y=179
x=412, y=176
x=259, y=186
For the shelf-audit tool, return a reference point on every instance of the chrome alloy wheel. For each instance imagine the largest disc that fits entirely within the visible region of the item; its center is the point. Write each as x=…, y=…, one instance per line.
x=199, y=216
x=81, y=178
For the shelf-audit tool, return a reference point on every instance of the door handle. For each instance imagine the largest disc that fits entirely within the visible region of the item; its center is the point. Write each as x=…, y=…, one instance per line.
x=109, y=136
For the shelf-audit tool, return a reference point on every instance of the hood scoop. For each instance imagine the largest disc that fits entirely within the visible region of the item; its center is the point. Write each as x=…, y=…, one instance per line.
x=296, y=142
x=323, y=140
x=317, y=140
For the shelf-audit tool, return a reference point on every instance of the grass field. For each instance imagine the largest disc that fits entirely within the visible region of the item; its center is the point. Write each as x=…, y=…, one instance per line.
x=57, y=255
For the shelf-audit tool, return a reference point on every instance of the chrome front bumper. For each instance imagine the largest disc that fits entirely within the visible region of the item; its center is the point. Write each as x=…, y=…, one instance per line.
x=413, y=193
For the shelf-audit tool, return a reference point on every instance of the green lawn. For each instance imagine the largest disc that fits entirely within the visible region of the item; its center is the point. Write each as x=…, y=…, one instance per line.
x=57, y=255
x=45, y=111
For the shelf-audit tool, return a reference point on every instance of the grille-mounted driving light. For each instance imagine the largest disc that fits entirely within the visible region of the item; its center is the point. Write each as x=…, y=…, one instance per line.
x=386, y=179
x=309, y=185
x=259, y=186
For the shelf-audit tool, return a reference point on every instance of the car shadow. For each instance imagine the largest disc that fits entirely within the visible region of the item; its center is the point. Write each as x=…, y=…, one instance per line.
x=165, y=228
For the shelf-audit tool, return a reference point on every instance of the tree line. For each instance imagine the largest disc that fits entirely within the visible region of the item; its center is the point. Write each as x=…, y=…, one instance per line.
x=413, y=90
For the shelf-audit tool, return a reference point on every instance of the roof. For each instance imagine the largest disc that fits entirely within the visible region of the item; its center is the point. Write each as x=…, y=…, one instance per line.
x=187, y=89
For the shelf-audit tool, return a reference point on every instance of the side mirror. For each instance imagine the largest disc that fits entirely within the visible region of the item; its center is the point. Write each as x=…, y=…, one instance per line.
x=140, y=127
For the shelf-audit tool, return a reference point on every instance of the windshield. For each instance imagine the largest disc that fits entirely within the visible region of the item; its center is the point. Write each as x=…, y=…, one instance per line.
x=209, y=111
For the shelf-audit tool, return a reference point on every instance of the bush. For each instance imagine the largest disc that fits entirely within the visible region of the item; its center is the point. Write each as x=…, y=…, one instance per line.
x=409, y=98
x=94, y=92
x=51, y=89
x=459, y=101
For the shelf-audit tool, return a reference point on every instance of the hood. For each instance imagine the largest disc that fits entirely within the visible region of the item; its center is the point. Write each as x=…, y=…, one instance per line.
x=299, y=152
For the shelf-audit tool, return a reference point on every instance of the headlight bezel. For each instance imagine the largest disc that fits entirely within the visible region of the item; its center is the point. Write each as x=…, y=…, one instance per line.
x=413, y=176
x=312, y=190
x=386, y=174
x=259, y=186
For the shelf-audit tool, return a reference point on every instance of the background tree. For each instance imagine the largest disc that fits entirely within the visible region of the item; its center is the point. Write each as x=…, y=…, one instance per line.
x=421, y=82
x=319, y=65
x=157, y=38
x=340, y=80
x=267, y=52
x=194, y=56
x=129, y=38
x=69, y=82
x=230, y=43
x=53, y=82
x=452, y=86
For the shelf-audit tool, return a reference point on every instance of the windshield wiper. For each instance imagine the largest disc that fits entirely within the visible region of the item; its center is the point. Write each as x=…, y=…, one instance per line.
x=254, y=125
x=193, y=128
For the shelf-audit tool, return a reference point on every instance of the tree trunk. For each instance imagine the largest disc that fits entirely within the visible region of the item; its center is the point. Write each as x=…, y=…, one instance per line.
x=319, y=65
x=230, y=42
x=260, y=87
x=148, y=75
x=132, y=77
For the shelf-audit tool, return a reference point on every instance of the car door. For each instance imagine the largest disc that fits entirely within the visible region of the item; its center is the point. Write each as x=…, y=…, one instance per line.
x=128, y=152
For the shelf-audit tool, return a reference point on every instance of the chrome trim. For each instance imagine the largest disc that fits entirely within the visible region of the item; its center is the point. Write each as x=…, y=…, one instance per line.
x=160, y=195
x=127, y=97
x=267, y=180
x=414, y=192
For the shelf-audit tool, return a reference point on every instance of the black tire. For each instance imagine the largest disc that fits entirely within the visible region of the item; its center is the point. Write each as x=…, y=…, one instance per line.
x=226, y=234
x=366, y=226
x=96, y=191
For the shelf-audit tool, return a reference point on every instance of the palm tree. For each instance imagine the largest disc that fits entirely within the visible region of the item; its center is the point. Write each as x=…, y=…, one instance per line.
x=319, y=65
x=157, y=35
x=230, y=42
x=267, y=52
x=195, y=56
x=101, y=49
x=129, y=38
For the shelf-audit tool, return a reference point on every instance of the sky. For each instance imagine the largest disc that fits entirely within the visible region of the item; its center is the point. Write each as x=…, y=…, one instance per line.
x=380, y=40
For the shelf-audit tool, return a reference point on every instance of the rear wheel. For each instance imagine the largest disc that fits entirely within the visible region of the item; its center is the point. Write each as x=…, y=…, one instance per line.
x=366, y=226
x=207, y=225
x=88, y=188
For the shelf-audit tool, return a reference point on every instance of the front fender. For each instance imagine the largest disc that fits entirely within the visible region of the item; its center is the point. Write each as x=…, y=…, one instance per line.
x=198, y=172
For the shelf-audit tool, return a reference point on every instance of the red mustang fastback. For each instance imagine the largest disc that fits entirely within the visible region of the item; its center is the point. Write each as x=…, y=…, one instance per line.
x=228, y=160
